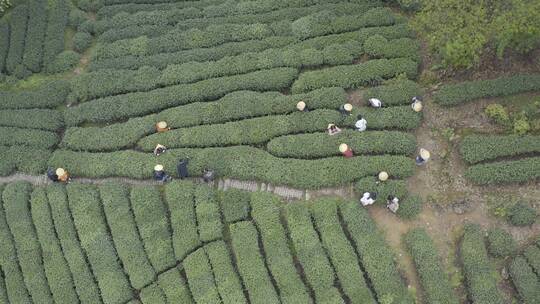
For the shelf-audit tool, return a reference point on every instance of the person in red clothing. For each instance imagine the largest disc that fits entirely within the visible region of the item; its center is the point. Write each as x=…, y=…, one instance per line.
x=346, y=151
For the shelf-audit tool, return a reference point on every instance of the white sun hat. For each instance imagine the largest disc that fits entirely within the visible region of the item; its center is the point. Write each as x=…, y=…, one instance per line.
x=60, y=171
x=158, y=168
x=425, y=154
x=348, y=107
x=417, y=106
x=343, y=148
x=301, y=106
x=383, y=176
x=162, y=125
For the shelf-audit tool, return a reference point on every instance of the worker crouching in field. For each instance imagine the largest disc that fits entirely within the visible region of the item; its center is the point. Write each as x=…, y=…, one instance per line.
x=301, y=106
x=361, y=123
x=368, y=199
x=160, y=175
x=346, y=151
x=182, y=169
x=392, y=203
x=160, y=149
x=423, y=157
x=162, y=127
x=417, y=104
x=58, y=175
x=208, y=175
x=346, y=109
x=375, y=103
x=333, y=129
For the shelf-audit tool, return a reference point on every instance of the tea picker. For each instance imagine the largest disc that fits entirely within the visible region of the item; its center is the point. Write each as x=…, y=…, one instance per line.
x=58, y=175
x=182, y=169
x=208, y=175
x=375, y=103
x=392, y=203
x=159, y=149
x=417, y=104
x=346, y=151
x=160, y=175
x=361, y=123
x=346, y=109
x=368, y=198
x=333, y=129
x=423, y=157
x=301, y=106
x=162, y=127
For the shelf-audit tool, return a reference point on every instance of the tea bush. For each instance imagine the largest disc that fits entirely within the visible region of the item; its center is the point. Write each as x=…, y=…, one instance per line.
x=49, y=95
x=208, y=216
x=200, y=278
x=393, y=187
x=175, y=286
x=477, y=148
x=27, y=160
x=515, y=171
x=410, y=207
x=234, y=205
x=500, y=243
x=54, y=36
x=152, y=294
x=10, y=136
x=525, y=280
x=81, y=41
x=44, y=119
x=4, y=43
x=532, y=253
x=65, y=61
x=35, y=35
x=394, y=92
x=19, y=17
x=522, y=215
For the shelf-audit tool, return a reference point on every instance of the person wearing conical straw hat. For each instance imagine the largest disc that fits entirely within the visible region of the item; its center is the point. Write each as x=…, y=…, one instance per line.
x=383, y=176
x=392, y=203
x=423, y=157
x=159, y=174
x=346, y=150
x=375, y=103
x=162, y=126
x=62, y=174
x=361, y=123
x=417, y=104
x=346, y=109
x=301, y=106
x=333, y=129
x=159, y=149
x=368, y=198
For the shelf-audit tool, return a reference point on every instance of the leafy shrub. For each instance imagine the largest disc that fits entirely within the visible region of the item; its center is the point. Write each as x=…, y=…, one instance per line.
x=251, y=264
x=435, y=283
x=340, y=251
x=65, y=61
x=27, y=160
x=317, y=145
x=134, y=104
x=454, y=94
x=481, y=285
x=49, y=95
x=532, y=253
x=500, y=243
x=498, y=113
x=151, y=218
x=517, y=171
x=77, y=17
x=208, y=215
x=354, y=76
x=324, y=23
x=10, y=136
x=54, y=37
x=16, y=199
x=22, y=72
x=4, y=43
x=152, y=294
x=410, y=207
x=175, y=286
x=310, y=253
x=255, y=130
x=477, y=148
x=185, y=237
x=116, y=205
x=81, y=41
x=266, y=214
x=521, y=126
x=234, y=205
x=85, y=285
x=88, y=27
x=90, y=5
x=242, y=162
x=44, y=119
x=397, y=91
x=92, y=230
x=377, y=46
x=18, y=20
x=525, y=280
x=374, y=254
x=522, y=215
x=227, y=281
x=56, y=268
x=35, y=35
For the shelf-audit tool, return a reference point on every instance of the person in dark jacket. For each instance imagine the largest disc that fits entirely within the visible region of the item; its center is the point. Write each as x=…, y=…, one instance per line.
x=208, y=175
x=182, y=169
x=160, y=175
x=51, y=174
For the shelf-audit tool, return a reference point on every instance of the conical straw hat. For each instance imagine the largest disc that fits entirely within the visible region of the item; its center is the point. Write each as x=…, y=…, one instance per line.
x=159, y=146
x=301, y=106
x=417, y=106
x=158, y=168
x=162, y=125
x=348, y=107
x=60, y=171
x=424, y=154
x=383, y=176
x=343, y=148
x=330, y=125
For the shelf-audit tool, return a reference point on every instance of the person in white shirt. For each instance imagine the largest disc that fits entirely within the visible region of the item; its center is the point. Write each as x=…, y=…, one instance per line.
x=361, y=123
x=392, y=203
x=368, y=199
x=374, y=102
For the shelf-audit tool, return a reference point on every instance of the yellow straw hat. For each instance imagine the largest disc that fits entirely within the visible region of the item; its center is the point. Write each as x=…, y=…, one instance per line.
x=330, y=125
x=417, y=106
x=60, y=171
x=425, y=154
x=383, y=176
x=159, y=146
x=162, y=125
x=348, y=107
x=158, y=168
x=301, y=106
x=343, y=148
